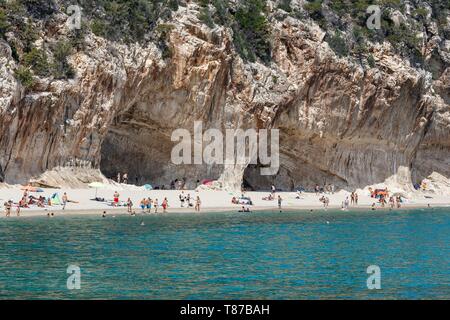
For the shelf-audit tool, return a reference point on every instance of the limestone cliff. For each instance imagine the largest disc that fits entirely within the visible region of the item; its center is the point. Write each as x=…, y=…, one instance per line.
x=342, y=120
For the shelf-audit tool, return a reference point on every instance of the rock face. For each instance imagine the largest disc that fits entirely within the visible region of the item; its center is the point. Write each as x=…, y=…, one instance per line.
x=340, y=122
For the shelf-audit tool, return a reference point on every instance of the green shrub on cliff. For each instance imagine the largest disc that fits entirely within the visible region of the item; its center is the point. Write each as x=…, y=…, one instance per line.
x=99, y=27
x=4, y=24
x=40, y=8
x=25, y=76
x=285, y=5
x=126, y=20
x=314, y=9
x=173, y=5
x=205, y=16
x=371, y=61
x=37, y=60
x=26, y=32
x=338, y=44
x=248, y=20
x=163, y=30
x=221, y=16
x=61, y=67
x=252, y=32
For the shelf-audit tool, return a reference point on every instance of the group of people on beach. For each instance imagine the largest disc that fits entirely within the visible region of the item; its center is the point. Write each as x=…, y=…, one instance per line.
x=384, y=197
x=146, y=204
x=122, y=178
x=27, y=200
x=186, y=199
x=272, y=196
x=394, y=202
x=327, y=188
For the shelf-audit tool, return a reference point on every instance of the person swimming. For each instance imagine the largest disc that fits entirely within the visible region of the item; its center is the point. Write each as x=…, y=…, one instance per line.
x=244, y=209
x=104, y=214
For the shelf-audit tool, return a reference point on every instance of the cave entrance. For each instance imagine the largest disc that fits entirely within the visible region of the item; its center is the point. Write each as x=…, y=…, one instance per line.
x=142, y=149
x=253, y=180
x=141, y=152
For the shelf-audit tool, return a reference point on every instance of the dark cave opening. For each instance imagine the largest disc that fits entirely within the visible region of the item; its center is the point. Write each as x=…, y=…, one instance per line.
x=143, y=151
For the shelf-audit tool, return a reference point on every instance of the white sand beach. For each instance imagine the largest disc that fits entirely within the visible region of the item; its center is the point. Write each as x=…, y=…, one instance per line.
x=211, y=200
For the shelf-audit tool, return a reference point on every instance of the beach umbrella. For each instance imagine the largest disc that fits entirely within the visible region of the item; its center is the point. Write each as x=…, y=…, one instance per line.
x=96, y=186
x=148, y=187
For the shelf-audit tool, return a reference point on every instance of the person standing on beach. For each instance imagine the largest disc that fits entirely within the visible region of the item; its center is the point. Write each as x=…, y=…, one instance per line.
x=279, y=201
x=148, y=204
x=7, y=206
x=273, y=189
x=346, y=203
x=129, y=204
x=197, y=204
x=352, y=198
x=383, y=201
x=125, y=178
x=391, y=202
x=144, y=204
x=356, y=198
x=64, y=200
x=182, y=198
x=326, y=202
x=116, y=198
x=165, y=204
x=155, y=204
x=188, y=200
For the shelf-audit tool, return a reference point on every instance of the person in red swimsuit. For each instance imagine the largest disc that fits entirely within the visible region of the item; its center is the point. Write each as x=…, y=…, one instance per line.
x=165, y=204
x=116, y=198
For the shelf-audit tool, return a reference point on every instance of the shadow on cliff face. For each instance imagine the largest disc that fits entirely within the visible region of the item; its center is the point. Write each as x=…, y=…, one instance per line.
x=304, y=176
x=143, y=150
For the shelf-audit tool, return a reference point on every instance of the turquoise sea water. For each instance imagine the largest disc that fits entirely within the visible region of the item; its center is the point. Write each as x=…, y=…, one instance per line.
x=261, y=255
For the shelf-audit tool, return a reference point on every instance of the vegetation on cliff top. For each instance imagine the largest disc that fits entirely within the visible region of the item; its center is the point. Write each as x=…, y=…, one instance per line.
x=402, y=23
x=249, y=22
x=24, y=22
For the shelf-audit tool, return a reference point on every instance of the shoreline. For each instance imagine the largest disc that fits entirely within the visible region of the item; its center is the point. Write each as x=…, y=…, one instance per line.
x=81, y=201
x=122, y=211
